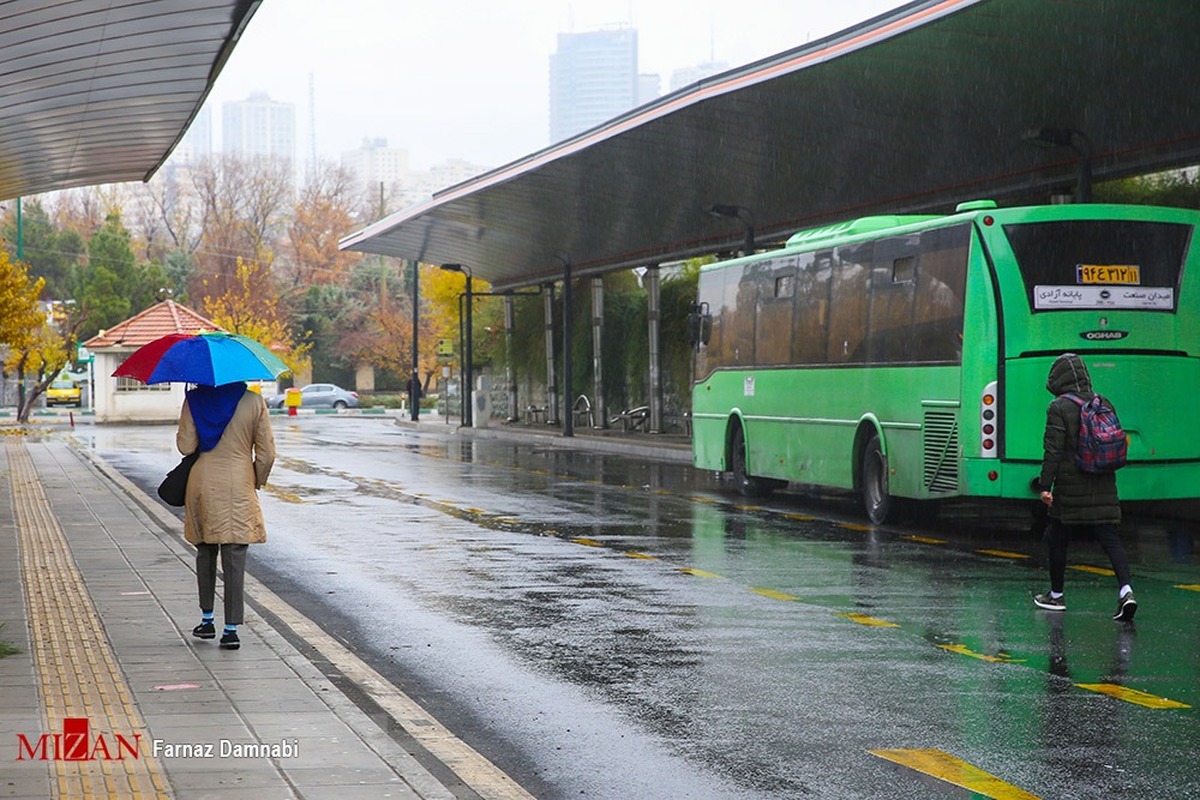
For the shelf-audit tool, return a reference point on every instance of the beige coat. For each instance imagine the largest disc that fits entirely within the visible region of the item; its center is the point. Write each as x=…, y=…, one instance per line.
x=221, y=505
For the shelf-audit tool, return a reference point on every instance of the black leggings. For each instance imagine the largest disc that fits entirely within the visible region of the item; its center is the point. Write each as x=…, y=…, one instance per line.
x=1058, y=536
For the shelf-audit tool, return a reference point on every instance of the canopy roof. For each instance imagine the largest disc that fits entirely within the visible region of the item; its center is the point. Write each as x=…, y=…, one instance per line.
x=98, y=91
x=930, y=104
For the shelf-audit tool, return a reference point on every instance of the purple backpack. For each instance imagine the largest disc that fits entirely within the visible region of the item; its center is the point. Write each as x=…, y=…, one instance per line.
x=1103, y=445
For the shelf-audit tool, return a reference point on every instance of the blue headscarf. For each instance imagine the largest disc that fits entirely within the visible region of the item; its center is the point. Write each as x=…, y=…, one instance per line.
x=212, y=408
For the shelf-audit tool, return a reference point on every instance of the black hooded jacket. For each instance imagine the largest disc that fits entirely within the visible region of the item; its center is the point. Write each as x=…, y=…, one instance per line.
x=1079, y=497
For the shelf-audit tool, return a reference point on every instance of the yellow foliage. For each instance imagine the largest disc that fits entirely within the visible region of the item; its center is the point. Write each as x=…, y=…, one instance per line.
x=20, y=314
x=249, y=307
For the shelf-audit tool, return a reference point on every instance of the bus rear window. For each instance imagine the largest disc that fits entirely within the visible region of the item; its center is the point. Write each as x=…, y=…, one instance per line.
x=1085, y=264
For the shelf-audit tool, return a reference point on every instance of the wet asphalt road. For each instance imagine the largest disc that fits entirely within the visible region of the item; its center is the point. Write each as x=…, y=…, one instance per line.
x=608, y=628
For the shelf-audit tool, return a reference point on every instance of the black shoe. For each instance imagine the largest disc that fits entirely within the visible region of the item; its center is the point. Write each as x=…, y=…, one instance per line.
x=1126, y=608
x=1050, y=603
x=205, y=630
x=230, y=641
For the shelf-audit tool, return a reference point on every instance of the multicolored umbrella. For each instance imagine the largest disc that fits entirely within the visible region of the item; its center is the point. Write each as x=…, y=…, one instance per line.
x=207, y=359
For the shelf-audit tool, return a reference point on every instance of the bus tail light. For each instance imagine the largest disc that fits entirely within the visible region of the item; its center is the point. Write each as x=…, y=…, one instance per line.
x=988, y=413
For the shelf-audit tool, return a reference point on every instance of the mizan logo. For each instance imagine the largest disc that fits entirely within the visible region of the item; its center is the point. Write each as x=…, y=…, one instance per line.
x=75, y=744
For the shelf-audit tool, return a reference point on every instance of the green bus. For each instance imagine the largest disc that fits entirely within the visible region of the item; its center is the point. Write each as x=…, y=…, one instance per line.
x=905, y=357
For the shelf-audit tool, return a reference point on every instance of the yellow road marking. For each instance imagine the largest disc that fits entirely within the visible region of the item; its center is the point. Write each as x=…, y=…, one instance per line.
x=999, y=658
x=1002, y=553
x=588, y=542
x=476, y=511
x=1131, y=695
x=852, y=527
x=945, y=767
x=1191, y=587
x=699, y=573
x=636, y=554
x=696, y=499
x=749, y=508
x=1094, y=570
x=774, y=595
x=873, y=622
x=924, y=539
x=799, y=517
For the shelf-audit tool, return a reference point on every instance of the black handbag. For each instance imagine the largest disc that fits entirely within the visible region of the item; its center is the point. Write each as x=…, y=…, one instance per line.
x=173, y=489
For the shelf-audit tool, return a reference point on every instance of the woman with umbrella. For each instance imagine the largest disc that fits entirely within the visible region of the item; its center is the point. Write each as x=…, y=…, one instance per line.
x=230, y=428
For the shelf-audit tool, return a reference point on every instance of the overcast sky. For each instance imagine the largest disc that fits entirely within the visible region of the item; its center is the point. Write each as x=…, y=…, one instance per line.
x=470, y=78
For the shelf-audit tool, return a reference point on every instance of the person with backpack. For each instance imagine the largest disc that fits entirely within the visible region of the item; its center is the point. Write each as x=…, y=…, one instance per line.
x=1078, y=482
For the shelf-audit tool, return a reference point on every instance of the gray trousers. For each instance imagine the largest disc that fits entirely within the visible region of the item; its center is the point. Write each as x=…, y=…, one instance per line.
x=233, y=568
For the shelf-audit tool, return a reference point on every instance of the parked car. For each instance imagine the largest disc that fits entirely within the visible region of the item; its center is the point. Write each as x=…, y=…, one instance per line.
x=319, y=395
x=63, y=393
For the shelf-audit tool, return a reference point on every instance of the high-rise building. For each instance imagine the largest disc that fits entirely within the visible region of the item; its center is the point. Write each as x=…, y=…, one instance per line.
x=593, y=78
x=375, y=163
x=259, y=126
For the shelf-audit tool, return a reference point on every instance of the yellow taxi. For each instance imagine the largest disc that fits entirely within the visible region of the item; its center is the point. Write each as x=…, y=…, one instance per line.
x=63, y=393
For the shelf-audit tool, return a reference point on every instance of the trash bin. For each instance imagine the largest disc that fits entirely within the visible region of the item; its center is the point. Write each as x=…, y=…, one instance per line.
x=291, y=399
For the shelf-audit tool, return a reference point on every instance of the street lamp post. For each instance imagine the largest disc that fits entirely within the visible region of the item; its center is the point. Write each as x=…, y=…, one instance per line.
x=742, y=215
x=465, y=321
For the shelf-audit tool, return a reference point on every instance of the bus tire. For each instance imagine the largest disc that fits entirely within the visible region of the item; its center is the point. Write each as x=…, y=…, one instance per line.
x=876, y=500
x=747, y=485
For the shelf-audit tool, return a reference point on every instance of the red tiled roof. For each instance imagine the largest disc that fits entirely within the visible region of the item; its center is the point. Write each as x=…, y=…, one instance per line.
x=156, y=321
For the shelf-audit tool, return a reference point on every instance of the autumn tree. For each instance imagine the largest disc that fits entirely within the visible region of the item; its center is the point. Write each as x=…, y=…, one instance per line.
x=248, y=305
x=322, y=215
x=243, y=204
x=34, y=346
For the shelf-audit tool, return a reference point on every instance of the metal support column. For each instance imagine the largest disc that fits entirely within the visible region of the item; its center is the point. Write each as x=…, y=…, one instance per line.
x=510, y=324
x=414, y=380
x=651, y=281
x=551, y=376
x=600, y=417
x=568, y=319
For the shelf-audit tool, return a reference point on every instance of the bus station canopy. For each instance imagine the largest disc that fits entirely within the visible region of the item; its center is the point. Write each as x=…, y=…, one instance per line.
x=100, y=91
x=936, y=102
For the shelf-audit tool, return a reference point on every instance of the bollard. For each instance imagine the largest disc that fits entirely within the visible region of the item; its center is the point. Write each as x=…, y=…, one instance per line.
x=292, y=399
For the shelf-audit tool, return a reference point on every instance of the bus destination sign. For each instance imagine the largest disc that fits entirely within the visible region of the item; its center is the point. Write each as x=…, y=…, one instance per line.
x=1118, y=274
x=1136, y=297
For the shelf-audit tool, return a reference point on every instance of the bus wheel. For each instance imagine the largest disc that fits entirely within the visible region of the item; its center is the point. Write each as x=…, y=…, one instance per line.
x=748, y=485
x=876, y=500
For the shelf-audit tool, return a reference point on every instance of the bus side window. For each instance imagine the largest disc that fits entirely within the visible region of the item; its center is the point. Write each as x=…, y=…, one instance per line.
x=893, y=287
x=812, y=308
x=941, y=279
x=849, y=304
x=776, y=305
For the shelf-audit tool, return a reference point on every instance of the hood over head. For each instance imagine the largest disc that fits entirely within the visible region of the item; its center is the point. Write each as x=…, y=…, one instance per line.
x=1068, y=374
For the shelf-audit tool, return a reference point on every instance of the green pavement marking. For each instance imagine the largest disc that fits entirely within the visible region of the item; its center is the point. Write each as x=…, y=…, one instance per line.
x=1132, y=695
x=999, y=658
x=1002, y=553
x=699, y=573
x=925, y=539
x=1091, y=569
x=774, y=595
x=871, y=622
x=945, y=767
